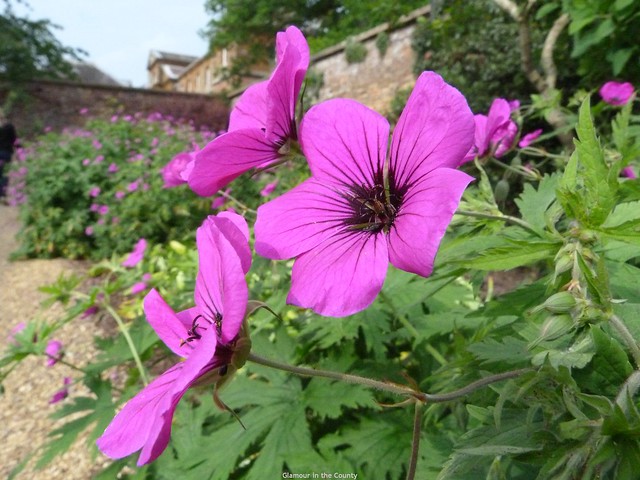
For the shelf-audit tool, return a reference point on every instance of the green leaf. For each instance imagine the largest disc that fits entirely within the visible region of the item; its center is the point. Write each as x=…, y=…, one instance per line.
x=512, y=256
x=534, y=203
x=510, y=350
x=380, y=446
x=599, y=187
x=328, y=399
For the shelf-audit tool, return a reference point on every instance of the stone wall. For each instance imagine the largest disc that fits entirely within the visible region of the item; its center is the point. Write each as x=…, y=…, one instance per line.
x=57, y=105
x=376, y=79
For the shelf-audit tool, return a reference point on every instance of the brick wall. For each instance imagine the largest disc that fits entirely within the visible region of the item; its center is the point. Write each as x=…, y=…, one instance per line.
x=374, y=81
x=57, y=104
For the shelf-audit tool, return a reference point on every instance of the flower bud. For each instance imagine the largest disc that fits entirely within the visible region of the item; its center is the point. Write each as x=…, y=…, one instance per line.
x=561, y=302
x=501, y=192
x=553, y=327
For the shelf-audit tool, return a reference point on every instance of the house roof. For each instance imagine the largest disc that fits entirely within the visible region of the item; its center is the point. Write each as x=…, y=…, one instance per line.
x=168, y=57
x=90, y=74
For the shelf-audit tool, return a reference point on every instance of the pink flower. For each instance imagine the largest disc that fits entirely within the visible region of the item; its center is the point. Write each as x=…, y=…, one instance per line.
x=203, y=335
x=113, y=168
x=96, y=144
x=89, y=311
x=341, y=225
x=495, y=132
x=120, y=195
x=84, y=111
x=141, y=286
x=86, y=162
x=88, y=231
x=268, y=189
x=218, y=202
x=133, y=186
x=529, y=138
x=99, y=159
x=616, y=93
x=94, y=207
x=261, y=124
x=62, y=393
x=19, y=327
x=94, y=192
x=103, y=209
x=514, y=105
x=629, y=173
x=176, y=172
x=136, y=256
x=53, y=352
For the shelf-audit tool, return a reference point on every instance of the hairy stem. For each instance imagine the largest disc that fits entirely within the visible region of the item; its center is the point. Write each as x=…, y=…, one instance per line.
x=617, y=323
x=236, y=201
x=129, y=340
x=415, y=441
x=387, y=386
x=504, y=218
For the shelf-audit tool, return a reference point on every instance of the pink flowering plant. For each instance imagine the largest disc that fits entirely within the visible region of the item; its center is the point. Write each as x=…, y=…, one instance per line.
x=449, y=296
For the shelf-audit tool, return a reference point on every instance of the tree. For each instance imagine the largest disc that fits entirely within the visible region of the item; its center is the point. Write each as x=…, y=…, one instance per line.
x=29, y=50
x=252, y=25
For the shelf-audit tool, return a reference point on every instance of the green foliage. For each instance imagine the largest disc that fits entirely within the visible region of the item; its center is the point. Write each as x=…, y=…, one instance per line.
x=604, y=31
x=325, y=23
x=354, y=52
x=382, y=43
x=30, y=50
x=63, y=169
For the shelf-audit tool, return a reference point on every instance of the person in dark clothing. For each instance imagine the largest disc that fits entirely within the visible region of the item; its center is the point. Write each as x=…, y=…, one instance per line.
x=7, y=141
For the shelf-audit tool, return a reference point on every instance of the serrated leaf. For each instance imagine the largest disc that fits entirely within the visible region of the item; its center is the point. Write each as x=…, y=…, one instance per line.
x=328, y=399
x=509, y=350
x=515, y=255
x=379, y=446
x=533, y=203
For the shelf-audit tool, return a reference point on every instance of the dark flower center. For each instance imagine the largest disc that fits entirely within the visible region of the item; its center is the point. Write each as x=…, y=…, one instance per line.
x=373, y=209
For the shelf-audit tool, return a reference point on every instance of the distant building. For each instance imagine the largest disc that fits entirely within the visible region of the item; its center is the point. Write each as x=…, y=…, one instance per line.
x=184, y=73
x=165, y=68
x=89, y=74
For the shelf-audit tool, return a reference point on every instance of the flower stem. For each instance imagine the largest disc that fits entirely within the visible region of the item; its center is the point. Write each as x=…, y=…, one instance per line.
x=344, y=377
x=504, y=218
x=129, y=340
x=621, y=328
x=237, y=202
x=387, y=386
x=415, y=441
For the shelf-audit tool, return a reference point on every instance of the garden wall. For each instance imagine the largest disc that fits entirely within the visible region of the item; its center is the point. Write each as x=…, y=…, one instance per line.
x=378, y=77
x=57, y=105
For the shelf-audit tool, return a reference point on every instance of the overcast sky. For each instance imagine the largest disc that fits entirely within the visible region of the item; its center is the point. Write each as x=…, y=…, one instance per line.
x=118, y=34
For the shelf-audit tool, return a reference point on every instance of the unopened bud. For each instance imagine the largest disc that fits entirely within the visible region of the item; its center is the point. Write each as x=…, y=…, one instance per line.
x=553, y=327
x=561, y=302
x=501, y=192
x=177, y=247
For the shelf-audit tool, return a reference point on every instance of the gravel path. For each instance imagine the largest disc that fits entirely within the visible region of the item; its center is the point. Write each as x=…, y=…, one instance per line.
x=24, y=407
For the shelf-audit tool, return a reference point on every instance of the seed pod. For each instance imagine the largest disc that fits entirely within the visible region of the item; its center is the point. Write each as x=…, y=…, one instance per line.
x=561, y=302
x=501, y=192
x=553, y=327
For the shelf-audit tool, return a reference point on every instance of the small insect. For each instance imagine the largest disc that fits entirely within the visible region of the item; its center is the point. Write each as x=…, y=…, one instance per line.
x=193, y=331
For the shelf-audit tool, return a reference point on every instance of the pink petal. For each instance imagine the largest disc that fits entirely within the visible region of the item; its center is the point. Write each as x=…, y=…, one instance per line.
x=234, y=227
x=282, y=97
x=300, y=220
x=229, y=156
x=251, y=109
x=171, y=328
x=293, y=36
x=341, y=276
x=616, y=93
x=423, y=219
x=435, y=129
x=136, y=256
x=172, y=171
x=220, y=285
x=345, y=142
x=504, y=137
x=145, y=421
x=529, y=138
